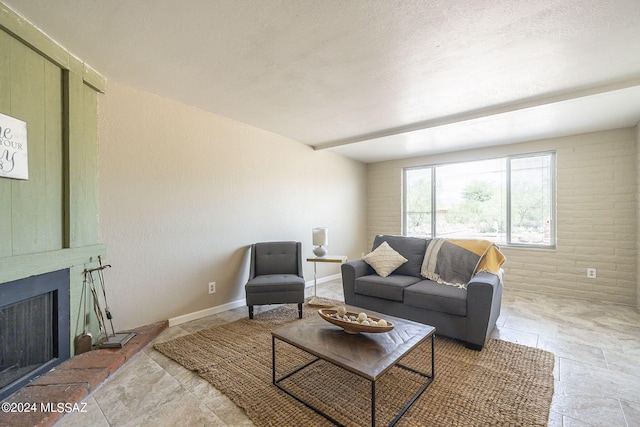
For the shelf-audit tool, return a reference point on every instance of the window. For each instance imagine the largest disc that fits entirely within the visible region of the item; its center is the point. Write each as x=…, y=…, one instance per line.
x=509, y=200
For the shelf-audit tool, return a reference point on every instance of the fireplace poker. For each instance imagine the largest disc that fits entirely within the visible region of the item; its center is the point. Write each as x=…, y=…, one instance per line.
x=104, y=294
x=96, y=307
x=83, y=341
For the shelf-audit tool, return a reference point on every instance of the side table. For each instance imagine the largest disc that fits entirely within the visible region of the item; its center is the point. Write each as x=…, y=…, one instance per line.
x=315, y=260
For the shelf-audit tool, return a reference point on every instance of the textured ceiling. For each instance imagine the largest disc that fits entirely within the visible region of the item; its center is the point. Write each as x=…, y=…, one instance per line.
x=372, y=80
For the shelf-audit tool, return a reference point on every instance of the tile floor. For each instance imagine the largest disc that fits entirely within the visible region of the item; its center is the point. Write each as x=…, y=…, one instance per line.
x=597, y=370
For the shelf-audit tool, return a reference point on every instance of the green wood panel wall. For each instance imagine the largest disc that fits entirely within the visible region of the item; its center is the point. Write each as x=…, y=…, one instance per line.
x=50, y=221
x=83, y=163
x=57, y=207
x=37, y=203
x=90, y=213
x=6, y=248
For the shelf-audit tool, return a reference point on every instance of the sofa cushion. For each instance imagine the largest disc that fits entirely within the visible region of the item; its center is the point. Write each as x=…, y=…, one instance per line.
x=437, y=297
x=384, y=259
x=412, y=248
x=390, y=288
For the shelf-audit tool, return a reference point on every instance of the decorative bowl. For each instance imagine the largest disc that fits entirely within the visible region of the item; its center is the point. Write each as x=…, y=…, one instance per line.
x=353, y=327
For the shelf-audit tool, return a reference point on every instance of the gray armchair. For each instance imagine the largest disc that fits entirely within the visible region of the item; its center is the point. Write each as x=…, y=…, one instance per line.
x=275, y=275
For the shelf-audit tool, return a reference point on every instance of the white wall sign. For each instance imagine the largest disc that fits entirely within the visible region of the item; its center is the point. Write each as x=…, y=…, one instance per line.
x=14, y=162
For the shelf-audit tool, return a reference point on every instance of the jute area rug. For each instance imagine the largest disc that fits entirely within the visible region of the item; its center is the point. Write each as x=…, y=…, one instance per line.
x=505, y=384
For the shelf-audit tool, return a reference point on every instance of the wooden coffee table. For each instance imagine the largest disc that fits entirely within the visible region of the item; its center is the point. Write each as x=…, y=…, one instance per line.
x=366, y=355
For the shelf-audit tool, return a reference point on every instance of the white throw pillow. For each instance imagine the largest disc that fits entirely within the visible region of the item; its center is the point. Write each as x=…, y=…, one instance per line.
x=384, y=259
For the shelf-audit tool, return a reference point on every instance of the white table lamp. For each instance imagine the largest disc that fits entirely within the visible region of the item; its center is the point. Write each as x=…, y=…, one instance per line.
x=320, y=240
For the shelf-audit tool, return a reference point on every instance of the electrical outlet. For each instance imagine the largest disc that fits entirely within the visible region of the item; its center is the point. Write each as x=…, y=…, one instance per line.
x=212, y=287
x=591, y=273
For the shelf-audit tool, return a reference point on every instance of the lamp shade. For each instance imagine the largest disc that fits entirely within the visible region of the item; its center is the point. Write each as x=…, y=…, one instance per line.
x=320, y=236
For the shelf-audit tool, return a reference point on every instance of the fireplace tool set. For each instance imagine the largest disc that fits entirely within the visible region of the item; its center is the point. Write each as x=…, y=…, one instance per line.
x=115, y=340
x=83, y=341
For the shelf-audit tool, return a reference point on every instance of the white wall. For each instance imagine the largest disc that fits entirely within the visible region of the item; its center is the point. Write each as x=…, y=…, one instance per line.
x=183, y=192
x=596, y=215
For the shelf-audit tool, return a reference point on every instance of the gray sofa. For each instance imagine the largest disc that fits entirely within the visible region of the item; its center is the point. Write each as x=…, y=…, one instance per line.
x=465, y=314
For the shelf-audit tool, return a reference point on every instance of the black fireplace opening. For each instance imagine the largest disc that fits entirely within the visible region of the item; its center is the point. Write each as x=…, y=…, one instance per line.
x=34, y=328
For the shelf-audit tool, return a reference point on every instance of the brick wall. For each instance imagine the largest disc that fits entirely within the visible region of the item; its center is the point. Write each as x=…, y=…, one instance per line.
x=596, y=214
x=384, y=201
x=638, y=216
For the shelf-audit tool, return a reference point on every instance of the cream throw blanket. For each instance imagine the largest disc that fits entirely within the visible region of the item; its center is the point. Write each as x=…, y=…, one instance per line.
x=455, y=261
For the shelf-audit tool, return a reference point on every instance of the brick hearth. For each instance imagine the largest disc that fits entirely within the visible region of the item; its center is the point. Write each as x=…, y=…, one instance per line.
x=75, y=379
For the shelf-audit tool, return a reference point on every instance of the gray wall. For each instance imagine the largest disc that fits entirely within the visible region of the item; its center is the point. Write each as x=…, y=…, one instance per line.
x=184, y=192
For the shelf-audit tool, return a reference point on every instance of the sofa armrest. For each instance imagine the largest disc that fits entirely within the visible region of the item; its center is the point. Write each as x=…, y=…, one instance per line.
x=350, y=272
x=484, y=299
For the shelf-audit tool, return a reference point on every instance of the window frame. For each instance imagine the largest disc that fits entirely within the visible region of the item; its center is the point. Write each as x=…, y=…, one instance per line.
x=508, y=158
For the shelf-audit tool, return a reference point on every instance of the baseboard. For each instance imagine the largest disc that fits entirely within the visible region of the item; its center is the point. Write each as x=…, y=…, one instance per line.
x=206, y=312
x=235, y=304
x=325, y=279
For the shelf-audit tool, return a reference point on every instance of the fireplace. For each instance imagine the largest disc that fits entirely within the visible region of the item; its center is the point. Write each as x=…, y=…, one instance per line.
x=34, y=328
